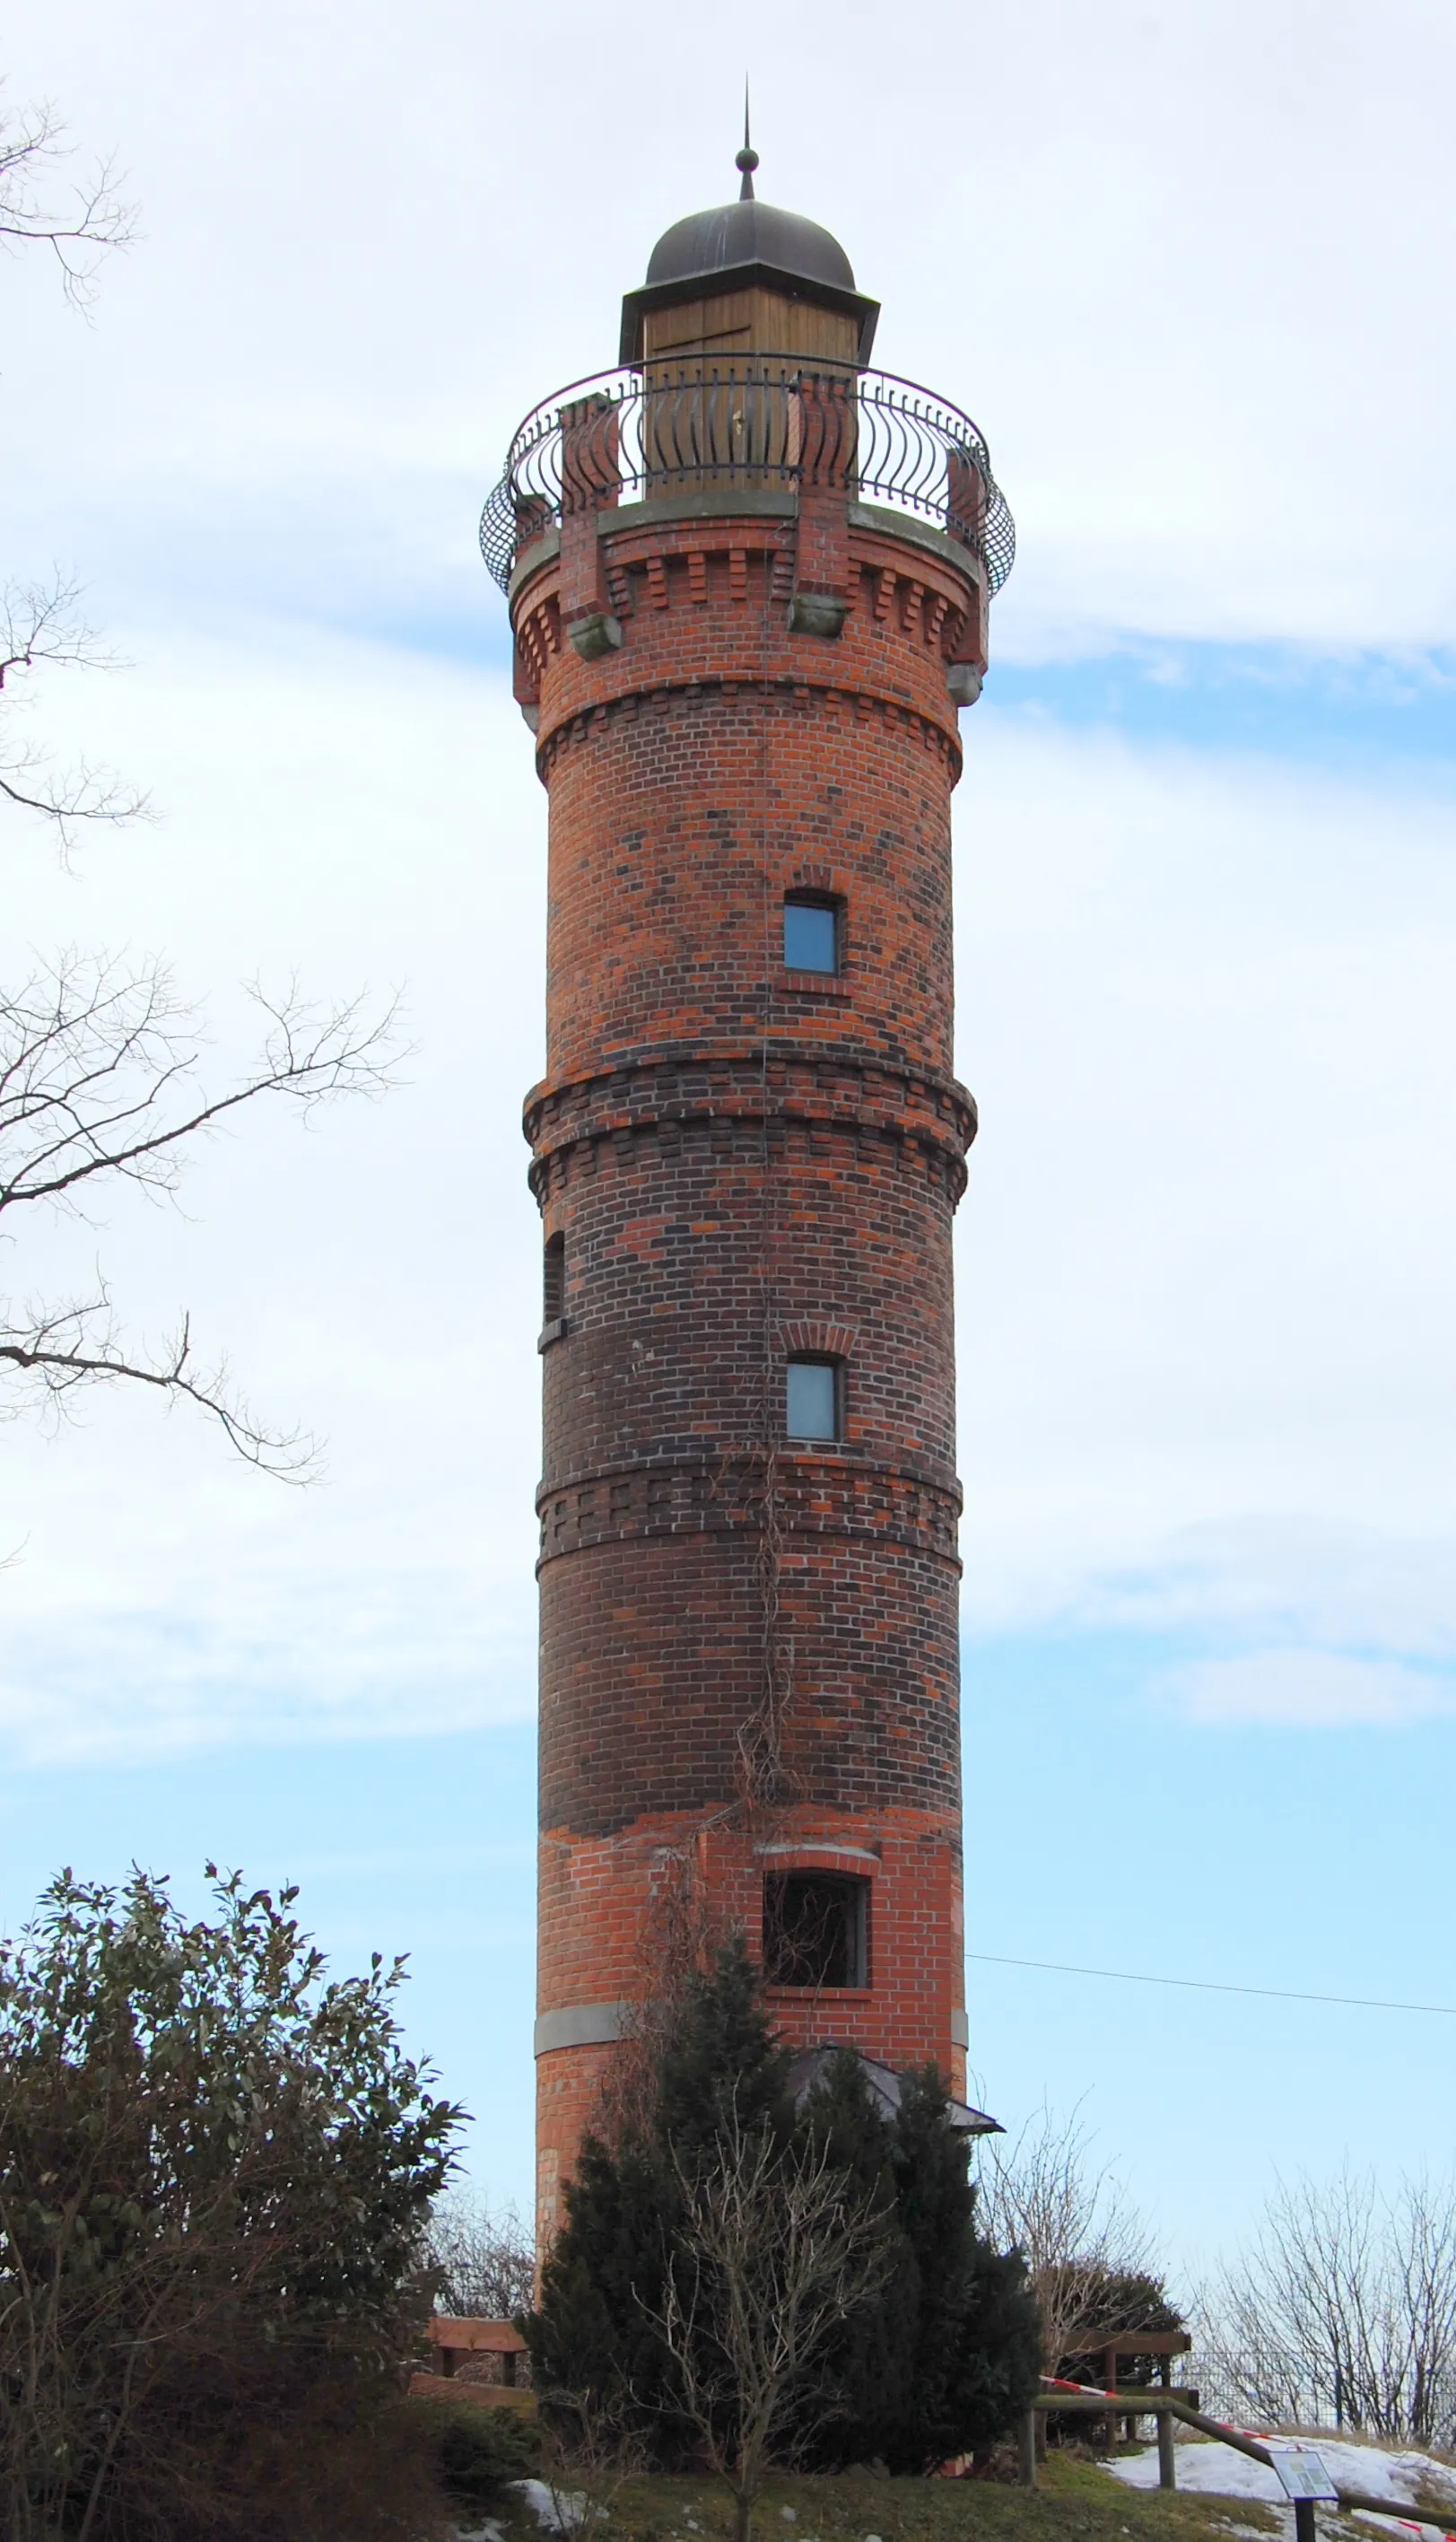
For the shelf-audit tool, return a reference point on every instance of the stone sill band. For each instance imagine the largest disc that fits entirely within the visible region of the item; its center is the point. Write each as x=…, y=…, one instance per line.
x=600, y=2025
x=581, y=2025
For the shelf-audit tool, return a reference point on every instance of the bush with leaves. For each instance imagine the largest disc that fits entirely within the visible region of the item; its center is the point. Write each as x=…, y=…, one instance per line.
x=215, y=2165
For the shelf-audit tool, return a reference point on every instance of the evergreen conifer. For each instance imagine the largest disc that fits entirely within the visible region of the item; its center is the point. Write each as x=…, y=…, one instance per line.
x=592, y=2338
x=940, y=2365
x=950, y=2355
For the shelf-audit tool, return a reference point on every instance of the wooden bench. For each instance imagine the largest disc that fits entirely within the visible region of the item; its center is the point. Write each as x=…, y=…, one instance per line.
x=1164, y=2344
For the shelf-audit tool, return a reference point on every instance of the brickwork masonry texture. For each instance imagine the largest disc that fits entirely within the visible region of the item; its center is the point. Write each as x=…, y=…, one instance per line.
x=747, y=1643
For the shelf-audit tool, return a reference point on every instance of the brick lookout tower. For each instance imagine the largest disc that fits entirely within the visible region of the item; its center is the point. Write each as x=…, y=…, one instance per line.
x=747, y=580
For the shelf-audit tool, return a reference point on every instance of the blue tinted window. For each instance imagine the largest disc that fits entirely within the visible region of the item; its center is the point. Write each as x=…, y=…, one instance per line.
x=811, y=936
x=813, y=1402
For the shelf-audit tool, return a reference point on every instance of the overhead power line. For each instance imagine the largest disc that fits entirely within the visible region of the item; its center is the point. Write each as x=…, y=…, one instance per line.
x=1210, y=1986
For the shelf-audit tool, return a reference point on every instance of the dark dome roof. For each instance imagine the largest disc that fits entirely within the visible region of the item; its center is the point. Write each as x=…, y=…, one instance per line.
x=750, y=233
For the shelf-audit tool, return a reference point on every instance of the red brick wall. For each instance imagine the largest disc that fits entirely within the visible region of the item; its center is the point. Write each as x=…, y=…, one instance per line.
x=744, y=1161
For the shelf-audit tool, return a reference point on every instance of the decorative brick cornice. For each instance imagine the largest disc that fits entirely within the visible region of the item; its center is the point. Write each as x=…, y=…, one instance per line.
x=814, y=1496
x=792, y=1089
x=792, y=695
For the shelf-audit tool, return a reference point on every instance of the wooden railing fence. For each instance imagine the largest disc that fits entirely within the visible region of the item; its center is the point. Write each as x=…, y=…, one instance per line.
x=1172, y=2408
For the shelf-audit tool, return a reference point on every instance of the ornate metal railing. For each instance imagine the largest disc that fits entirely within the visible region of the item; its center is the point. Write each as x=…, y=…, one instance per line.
x=763, y=422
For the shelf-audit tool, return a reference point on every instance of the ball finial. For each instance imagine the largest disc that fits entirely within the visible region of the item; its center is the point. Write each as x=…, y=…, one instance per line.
x=747, y=157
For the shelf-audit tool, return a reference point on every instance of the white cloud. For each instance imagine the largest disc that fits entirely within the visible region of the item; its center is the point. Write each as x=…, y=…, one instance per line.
x=1205, y=1256
x=1207, y=1369
x=1308, y=1690
x=377, y=1278
x=1186, y=281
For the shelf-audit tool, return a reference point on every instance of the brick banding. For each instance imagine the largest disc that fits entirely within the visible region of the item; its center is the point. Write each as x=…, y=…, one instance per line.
x=817, y=1496
x=830, y=1083
x=660, y=695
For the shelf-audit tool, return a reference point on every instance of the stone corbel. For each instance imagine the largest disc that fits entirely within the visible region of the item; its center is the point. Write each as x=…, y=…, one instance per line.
x=593, y=632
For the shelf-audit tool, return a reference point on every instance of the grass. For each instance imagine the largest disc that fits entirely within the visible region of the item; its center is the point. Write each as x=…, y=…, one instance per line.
x=1074, y=2501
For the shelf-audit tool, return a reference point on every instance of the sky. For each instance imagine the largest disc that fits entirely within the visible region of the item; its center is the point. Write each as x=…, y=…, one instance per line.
x=1189, y=267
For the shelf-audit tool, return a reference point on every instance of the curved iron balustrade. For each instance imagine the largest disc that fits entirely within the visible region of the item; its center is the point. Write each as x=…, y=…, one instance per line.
x=765, y=422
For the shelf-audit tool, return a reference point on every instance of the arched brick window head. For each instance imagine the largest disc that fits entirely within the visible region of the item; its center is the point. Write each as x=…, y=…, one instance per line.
x=813, y=932
x=814, y=1399
x=816, y=1929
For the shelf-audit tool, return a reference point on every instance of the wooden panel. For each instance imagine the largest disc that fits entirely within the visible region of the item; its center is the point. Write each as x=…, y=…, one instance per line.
x=1140, y=2343
x=472, y=2335
x=481, y=2396
x=699, y=326
x=750, y=322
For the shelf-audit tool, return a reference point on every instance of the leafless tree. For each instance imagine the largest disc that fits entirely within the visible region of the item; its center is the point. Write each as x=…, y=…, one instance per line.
x=483, y=2260
x=81, y=223
x=98, y=1056
x=41, y=628
x=1343, y=2308
x=1045, y=2192
x=773, y=2255
x=98, y=1092
x=589, y=2449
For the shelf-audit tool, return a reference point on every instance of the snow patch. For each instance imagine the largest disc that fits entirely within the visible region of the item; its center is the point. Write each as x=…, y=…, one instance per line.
x=1218, y=2470
x=558, y=2510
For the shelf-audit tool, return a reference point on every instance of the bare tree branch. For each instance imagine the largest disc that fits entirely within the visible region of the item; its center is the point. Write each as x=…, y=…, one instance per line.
x=775, y=2254
x=81, y=223
x=97, y=1089
x=98, y=1058
x=96, y=1071
x=41, y=626
x=1043, y=2193
x=483, y=2261
x=77, y=1344
x=1343, y=2306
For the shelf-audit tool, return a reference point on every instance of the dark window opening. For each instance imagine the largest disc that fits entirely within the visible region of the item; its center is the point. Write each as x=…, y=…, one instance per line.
x=812, y=932
x=553, y=1280
x=816, y=1929
x=814, y=1399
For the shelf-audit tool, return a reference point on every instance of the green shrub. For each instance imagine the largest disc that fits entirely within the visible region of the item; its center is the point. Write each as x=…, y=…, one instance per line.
x=215, y=2163
x=478, y=2451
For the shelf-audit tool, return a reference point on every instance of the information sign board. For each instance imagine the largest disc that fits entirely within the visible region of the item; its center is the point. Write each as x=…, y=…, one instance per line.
x=1302, y=2473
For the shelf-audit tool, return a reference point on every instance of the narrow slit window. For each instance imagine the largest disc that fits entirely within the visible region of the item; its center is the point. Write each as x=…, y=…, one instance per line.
x=553, y=1280
x=816, y=1929
x=814, y=1399
x=811, y=933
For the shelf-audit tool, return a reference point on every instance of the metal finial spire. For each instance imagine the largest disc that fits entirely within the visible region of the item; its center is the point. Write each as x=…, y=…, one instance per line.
x=747, y=157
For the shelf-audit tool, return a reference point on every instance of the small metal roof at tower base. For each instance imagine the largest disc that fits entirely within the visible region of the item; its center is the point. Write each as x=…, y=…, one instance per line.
x=738, y=245
x=809, y=2068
